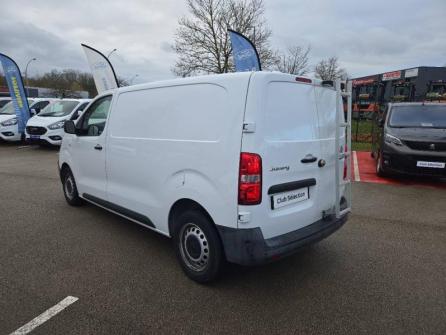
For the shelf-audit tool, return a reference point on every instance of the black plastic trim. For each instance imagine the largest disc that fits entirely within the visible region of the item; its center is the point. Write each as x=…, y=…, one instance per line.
x=294, y=185
x=248, y=246
x=119, y=209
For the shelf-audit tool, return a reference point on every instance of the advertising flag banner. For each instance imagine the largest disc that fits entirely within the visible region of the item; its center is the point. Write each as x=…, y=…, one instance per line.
x=16, y=90
x=246, y=57
x=102, y=70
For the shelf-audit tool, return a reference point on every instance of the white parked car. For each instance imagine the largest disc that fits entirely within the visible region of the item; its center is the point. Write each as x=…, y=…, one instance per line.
x=9, y=130
x=4, y=101
x=240, y=167
x=47, y=126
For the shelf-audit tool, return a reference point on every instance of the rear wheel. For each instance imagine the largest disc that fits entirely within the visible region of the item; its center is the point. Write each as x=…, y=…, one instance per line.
x=198, y=246
x=70, y=188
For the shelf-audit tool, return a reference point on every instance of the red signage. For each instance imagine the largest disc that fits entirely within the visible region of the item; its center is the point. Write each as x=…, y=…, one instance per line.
x=365, y=81
x=392, y=75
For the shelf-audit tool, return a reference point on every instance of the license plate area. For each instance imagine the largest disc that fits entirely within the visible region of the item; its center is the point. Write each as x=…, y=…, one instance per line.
x=283, y=199
x=35, y=137
x=432, y=165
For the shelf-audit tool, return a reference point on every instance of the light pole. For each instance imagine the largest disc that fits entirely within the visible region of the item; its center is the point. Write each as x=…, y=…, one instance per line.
x=109, y=54
x=133, y=78
x=26, y=70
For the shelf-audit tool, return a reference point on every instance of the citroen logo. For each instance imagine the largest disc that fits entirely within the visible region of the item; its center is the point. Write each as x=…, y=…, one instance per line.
x=432, y=146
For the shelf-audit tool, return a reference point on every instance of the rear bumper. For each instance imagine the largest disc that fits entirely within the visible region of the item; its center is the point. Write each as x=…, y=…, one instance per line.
x=248, y=247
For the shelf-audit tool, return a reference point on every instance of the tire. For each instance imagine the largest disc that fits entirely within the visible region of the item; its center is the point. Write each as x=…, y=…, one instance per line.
x=70, y=188
x=379, y=169
x=198, y=246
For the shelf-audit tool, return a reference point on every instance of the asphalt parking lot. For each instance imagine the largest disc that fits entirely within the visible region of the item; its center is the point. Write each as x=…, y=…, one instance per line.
x=384, y=272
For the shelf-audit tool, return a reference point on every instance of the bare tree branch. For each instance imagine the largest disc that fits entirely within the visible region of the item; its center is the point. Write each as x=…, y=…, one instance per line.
x=329, y=69
x=202, y=42
x=294, y=61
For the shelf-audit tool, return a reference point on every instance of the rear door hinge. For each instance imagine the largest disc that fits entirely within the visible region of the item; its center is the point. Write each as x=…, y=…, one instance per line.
x=249, y=127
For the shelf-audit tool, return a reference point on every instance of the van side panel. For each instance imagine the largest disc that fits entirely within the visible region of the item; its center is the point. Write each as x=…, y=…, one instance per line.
x=174, y=142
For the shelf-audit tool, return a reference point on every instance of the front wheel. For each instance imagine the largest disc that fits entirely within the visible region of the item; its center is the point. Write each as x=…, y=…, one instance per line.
x=70, y=189
x=379, y=168
x=198, y=246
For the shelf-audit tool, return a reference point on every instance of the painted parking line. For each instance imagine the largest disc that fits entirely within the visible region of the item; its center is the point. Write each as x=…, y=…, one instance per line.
x=356, y=167
x=45, y=316
x=364, y=167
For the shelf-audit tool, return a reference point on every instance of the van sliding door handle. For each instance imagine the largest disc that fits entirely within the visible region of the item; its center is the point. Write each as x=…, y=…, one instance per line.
x=98, y=147
x=308, y=159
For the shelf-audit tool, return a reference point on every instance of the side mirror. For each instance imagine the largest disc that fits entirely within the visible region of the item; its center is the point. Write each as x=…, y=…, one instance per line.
x=69, y=127
x=75, y=115
x=381, y=122
x=32, y=111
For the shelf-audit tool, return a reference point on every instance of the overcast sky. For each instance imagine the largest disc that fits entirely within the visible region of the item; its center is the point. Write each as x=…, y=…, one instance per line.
x=367, y=36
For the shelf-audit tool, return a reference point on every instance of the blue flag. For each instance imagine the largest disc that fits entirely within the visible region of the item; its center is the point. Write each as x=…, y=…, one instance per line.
x=16, y=90
x=245, y=54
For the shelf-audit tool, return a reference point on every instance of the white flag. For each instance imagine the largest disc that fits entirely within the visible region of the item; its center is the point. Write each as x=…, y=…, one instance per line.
x=103, y=73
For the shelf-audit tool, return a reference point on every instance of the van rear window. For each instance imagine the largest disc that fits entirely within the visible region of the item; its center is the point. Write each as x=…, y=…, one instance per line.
x=290, y=112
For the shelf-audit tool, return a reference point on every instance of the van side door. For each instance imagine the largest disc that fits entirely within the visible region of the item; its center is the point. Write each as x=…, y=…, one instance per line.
x=88, y=149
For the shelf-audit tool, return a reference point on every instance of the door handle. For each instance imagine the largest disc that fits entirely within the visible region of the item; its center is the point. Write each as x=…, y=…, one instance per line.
x=308, y=159
x=98, y=147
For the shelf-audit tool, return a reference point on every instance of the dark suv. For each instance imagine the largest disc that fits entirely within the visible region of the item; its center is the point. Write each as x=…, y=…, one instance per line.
x=411, y=139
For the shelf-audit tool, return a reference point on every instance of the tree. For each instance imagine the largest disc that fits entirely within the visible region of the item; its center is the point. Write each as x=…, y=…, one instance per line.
x=64, y=83
x=329, y=69
x=294, y=61
x=202, y=42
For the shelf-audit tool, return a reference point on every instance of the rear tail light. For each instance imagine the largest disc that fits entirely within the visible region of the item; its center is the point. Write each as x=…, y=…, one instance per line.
x=250, y=179
x=345, y=162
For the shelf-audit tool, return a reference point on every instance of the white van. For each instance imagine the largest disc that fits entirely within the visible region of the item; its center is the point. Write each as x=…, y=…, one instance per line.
x=243, y=167
x=47, y=126
x=9, y=129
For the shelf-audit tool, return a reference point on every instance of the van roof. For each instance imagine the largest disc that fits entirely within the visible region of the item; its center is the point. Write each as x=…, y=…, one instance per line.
x=215, y=78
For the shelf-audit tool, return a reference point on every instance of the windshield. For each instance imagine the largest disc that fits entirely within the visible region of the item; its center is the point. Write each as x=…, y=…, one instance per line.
x=8, y=109
x=418, y=116
x=59, y=108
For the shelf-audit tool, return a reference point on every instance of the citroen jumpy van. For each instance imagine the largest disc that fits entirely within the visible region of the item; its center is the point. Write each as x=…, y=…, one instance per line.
x=47, y=126
x=238, y=167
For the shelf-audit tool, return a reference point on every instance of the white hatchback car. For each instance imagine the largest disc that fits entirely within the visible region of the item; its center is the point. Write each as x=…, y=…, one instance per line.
x=9, y=130
x=47, y=126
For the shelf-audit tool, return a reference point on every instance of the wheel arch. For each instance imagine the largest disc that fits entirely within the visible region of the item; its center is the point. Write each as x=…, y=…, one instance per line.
x=64, y=167
x=182, y=205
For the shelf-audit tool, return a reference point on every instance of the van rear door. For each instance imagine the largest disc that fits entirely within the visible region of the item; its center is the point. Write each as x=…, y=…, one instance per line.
x=326, y=112
x=287, y=139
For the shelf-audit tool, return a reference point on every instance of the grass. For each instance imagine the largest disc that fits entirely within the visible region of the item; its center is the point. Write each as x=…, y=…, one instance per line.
x=361, y=146
x=362, y=135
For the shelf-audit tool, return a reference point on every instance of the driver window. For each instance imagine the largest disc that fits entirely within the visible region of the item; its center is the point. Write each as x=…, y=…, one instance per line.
x=93, y=122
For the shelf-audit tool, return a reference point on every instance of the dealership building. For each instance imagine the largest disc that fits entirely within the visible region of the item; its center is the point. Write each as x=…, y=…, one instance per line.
x=414, y=84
